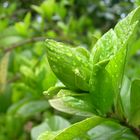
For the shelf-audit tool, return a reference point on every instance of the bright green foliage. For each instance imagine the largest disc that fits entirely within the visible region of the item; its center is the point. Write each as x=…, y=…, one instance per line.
x=103, y=128
x=112, y=46
x=134, y=103
x=46, y=9
x=105, y=77
x=94, y=84
x=101, y=88
x=110, y=130
x=105, y=47
x=70, y=65
x=125, y=96
x=53, y=123
x=75, y=130
x=98, y=79
x=73, y=103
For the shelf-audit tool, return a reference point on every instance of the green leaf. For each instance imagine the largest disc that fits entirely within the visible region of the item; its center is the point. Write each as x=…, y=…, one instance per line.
x=27, y=71
x=31, y=108
x=112, y=46
x=48, y=135
x=15, y=106
x=48, y=7
x=52, y=91
x=21, y=28
x=125, y=96
x=125, y=28
x=124, y=31
x=110, y=130
x=73, y=103
x=134, y=103
x=70, y=65
x=105, y=47
x=14, y=126
x=101, y=88
x=37, y=9
x=116, y=70
x=27, y=19
x=53, y=123
x=44, y=74
x=8, y=40
x=135, y=47
x=76, y=130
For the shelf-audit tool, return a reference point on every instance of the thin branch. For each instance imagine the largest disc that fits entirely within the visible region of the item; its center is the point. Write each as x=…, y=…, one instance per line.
x=21, y=43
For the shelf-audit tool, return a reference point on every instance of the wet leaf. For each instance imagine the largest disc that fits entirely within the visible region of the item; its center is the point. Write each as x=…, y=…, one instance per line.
x=134, y=103
x=70, y=65
x=110, y=130
x=101, y=88
x=31, y=108
x=125, y=96
x=72, y=103
x=105, y=47
x=54, y=123
x=125, y=28
x=74, y=131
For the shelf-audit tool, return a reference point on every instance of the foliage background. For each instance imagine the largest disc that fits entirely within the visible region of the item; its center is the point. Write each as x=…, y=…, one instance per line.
x=24, y=69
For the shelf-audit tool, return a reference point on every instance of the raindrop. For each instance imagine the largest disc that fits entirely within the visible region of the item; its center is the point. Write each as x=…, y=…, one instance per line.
x=123, y=15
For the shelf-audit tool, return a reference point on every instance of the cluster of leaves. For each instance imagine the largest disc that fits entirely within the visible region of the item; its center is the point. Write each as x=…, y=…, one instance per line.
x=25, y=72
x=95, y=84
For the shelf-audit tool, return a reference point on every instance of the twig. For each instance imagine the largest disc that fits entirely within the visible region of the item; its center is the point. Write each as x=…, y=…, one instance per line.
x=21, y=43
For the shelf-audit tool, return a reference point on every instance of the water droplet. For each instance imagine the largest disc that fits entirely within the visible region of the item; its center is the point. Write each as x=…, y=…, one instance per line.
x=123, y=15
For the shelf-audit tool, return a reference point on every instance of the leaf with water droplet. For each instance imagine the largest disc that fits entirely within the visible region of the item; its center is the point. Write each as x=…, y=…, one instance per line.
x=101, y=89
x=134, y=103
x=52, y=91
x=126, y=27
x=125, y=96
x=73, y=103
x=117, y=76
x=105, y=47
x=74, y=132
x=70, y=65
x=113, y=46
x=112, y=41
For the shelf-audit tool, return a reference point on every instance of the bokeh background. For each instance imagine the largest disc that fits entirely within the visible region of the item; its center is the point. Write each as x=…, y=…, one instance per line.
x=24, y=69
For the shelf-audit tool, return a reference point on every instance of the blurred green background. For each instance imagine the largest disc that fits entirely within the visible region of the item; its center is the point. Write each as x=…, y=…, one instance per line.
x=24, y=69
